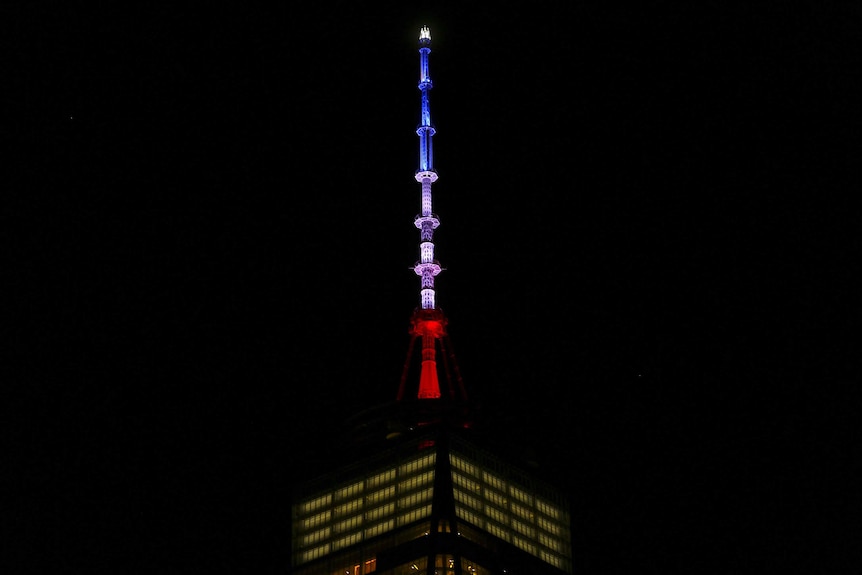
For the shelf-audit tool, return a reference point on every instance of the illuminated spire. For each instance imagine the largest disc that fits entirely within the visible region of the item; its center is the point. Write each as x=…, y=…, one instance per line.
x=427, y=326
x=428, y=322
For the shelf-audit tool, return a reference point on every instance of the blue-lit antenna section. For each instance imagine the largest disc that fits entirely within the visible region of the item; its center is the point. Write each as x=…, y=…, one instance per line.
x=425, y=130
x=427, y=267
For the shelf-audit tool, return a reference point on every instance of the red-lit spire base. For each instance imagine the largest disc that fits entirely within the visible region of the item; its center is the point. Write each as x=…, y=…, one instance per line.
x=430, y=326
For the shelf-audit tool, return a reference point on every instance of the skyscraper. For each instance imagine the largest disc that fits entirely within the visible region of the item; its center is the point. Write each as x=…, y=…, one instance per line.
x=417, y=490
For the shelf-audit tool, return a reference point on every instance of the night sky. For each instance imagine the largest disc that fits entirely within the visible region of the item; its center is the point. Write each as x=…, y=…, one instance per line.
x=648, y=236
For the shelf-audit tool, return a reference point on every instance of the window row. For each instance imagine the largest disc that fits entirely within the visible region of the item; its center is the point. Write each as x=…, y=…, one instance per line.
x=355, y=490
x=549, y=549
x=548, y=533
x=356, y=536
x=498, y=497
x=373, y=514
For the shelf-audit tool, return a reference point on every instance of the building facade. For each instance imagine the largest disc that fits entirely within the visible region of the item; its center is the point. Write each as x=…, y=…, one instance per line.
x=434, y=499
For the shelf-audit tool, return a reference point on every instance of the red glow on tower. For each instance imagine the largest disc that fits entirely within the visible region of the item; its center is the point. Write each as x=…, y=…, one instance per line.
x=430, y=327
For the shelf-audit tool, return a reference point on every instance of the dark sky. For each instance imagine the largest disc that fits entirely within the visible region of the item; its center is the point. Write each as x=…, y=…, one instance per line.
x=648, y=240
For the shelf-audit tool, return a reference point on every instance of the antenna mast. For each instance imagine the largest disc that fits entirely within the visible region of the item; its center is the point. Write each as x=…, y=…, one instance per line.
x=427, y=267
x=428, y=321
